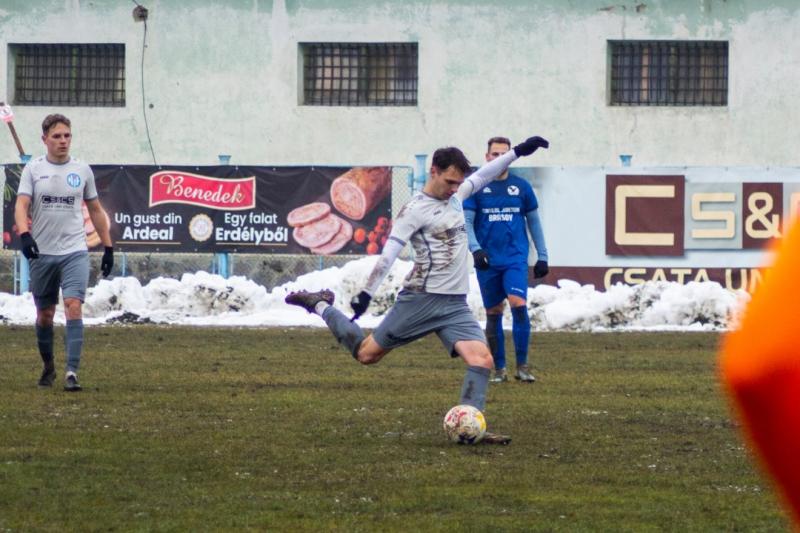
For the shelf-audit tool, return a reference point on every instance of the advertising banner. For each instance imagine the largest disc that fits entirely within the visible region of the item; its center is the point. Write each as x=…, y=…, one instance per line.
x=284, y=210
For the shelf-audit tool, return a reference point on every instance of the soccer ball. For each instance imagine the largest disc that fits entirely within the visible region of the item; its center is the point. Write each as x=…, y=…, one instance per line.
x=464, y=424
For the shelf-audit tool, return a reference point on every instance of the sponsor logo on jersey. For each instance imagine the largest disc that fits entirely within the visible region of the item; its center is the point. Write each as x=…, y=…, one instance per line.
x=74, y=180
x=453, y=232
x=487, y=190
x=39, y=178
x=56, y=200
x=513, y=190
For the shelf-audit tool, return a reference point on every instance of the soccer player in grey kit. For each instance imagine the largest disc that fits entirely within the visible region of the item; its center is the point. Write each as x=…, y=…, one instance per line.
x=51, y=192
x=434, y=295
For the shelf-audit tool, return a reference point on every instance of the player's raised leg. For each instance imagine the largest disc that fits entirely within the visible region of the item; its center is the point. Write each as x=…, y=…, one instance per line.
x=363, y=349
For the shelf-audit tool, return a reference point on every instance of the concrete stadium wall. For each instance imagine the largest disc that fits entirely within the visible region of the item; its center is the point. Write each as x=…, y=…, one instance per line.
x=222, y=77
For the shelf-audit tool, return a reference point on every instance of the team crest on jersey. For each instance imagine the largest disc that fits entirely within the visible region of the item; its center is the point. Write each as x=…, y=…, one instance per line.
x=74, y=180
x=513, y=190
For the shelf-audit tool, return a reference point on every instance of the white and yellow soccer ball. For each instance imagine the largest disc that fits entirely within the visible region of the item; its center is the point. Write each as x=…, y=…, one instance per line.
x=464, y=424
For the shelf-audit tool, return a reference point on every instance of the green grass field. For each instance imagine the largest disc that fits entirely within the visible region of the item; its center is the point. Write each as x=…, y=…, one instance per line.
x=195, y=429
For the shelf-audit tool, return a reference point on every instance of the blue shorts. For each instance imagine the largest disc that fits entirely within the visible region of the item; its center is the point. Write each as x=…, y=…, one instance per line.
x=49, y=273
x=499, y=282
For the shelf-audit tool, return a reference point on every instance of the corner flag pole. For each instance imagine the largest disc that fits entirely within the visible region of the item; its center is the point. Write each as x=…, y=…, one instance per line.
x=8, y=117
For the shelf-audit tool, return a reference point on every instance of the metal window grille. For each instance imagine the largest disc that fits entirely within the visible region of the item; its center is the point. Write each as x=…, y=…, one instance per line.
x=86, y=75
x=360, y=74
x=669, y=73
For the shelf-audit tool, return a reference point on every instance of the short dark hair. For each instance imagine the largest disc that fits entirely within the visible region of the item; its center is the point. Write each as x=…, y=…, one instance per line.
x=444, y=158
x=51, y=120
x=497, y=140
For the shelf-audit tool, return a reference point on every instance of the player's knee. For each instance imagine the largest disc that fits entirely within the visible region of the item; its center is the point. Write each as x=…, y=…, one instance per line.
x=44, y=317
x=497, y=309
x=482, y=358
x=364, y=358
x=516, y=301
x=72, y=308
x=485, y=360
x=367, y=357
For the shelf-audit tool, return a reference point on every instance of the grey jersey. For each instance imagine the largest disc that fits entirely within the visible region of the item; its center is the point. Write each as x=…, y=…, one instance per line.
x=57, y=193
x=438, y=235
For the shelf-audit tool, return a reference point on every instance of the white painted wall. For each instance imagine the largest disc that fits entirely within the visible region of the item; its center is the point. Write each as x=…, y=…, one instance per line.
x=221, y=77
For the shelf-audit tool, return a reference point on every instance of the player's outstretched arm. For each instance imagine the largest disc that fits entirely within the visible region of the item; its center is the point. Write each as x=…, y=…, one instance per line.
x=391, y=250
x=494, y=168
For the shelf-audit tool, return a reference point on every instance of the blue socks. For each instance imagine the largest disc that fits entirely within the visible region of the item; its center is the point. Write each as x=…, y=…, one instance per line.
x=473, y=390
x=44, y=338
x=496, y=339
x=74, y=344
x=521, y=331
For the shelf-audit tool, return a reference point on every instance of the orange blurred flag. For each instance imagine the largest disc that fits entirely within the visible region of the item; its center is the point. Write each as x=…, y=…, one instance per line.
x=760, y=364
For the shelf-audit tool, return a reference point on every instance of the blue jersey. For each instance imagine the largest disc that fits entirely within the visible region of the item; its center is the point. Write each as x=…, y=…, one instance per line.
x=500, y=223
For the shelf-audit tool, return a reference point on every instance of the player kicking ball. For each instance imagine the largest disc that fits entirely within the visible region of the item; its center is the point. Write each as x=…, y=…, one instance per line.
x=434, y=294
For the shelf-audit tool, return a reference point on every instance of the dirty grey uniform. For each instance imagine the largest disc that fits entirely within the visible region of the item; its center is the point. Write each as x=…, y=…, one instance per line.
x=433, y=298
x=57, y=194
x=434, y=295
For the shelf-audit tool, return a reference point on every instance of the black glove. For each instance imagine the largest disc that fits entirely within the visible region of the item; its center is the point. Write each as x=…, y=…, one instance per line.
x=481, y=259
x=359, y=303
x=540, y=269
x=29, y=248
x=107, y=263
x=530, y=145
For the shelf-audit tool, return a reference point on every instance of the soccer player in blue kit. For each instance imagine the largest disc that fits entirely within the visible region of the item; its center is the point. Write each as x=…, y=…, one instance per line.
x=434, y=294
x=497, y=218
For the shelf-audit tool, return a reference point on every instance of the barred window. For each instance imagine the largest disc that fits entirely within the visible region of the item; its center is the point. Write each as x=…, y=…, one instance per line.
x=359, y=74
x=669, y=73
x=86, y=75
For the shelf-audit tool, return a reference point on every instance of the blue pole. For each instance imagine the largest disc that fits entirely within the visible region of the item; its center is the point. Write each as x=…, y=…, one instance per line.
x=24, y=274
x=15, y=264
x=222, y=265
x=419, y=173
x=124, y=265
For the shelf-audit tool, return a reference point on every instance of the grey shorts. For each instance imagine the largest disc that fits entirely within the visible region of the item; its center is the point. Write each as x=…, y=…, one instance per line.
x=49, y=273
x=415, y=314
